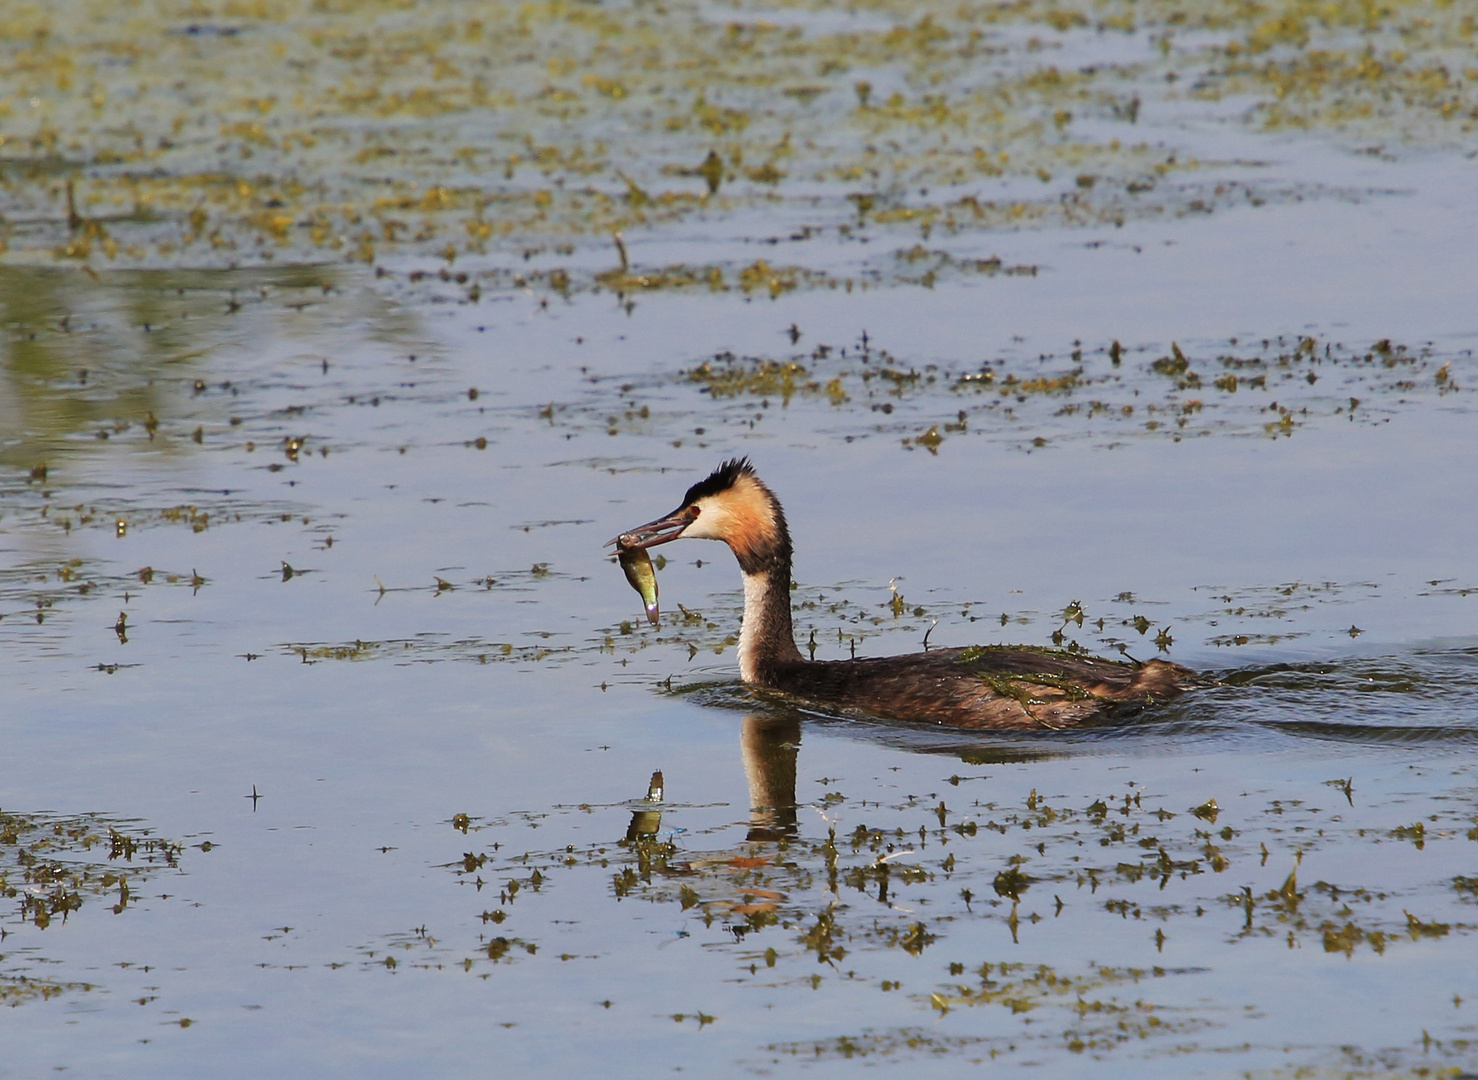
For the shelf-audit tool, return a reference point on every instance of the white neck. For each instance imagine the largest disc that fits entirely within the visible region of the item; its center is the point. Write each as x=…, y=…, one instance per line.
x=753, y=627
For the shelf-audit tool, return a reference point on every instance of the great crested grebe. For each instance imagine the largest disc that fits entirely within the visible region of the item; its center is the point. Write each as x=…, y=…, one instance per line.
x=993, y=686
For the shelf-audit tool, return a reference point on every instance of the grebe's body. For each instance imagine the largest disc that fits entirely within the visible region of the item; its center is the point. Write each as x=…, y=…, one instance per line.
x=976, y=687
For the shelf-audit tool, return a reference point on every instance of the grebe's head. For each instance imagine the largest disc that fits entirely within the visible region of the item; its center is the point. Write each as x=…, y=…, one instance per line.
x=732, y=505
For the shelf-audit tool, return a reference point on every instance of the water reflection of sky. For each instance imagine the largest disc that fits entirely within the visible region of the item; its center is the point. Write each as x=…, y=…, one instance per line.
x=1330, y=565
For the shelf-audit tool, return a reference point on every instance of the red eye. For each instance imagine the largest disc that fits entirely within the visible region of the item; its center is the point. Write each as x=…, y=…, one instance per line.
x=694, y=511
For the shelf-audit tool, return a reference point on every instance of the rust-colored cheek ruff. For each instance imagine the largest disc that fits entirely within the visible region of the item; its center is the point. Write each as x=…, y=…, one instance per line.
x=748, y=519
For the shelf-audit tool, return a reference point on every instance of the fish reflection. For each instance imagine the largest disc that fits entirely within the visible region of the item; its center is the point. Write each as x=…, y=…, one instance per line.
x=646, y=823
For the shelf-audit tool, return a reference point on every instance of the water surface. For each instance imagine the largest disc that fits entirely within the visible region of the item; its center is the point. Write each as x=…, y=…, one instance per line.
x=330, y=727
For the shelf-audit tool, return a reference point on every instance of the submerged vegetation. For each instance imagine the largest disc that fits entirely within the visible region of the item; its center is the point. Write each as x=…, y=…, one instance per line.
x=54, y=864
x=1107, y=392
x=51, y=868
x=251, y=131
x=946, y=904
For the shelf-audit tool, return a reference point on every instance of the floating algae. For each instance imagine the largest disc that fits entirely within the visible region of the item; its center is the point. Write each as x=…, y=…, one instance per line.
x=478, y=136
x=641, y=574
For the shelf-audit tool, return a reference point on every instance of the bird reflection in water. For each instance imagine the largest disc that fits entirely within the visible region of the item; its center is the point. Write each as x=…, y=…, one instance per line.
x=770, y=746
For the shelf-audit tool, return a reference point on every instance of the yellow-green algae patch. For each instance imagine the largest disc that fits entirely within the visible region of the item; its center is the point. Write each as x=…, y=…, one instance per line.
x=951, y=904
x=54, y=865
x=244, y=131
x=1269, y=388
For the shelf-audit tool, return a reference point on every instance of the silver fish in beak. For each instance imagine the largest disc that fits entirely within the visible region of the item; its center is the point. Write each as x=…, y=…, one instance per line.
x=641, y=575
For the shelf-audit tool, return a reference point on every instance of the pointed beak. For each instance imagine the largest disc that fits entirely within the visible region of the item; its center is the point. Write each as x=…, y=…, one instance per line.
x=653, y=532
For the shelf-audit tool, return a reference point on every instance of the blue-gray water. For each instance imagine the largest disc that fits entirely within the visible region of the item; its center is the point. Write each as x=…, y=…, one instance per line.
x=333, y=539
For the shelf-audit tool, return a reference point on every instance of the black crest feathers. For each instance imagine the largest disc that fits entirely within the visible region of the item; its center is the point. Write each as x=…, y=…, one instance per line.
x=721, y=479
